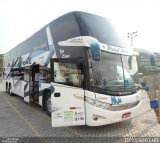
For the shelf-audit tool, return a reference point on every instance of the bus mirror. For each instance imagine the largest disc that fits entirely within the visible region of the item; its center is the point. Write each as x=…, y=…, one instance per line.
x=95, y=51
x=85, y=41
x=146, y=88
x=152, y=59
x=143, y=86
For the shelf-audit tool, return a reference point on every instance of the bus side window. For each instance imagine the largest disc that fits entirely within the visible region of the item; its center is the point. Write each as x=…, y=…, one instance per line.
x=68, y=74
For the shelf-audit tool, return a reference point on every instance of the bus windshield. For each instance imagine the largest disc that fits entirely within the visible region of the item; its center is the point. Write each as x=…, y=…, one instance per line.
x=101, y=29
x=114, y=72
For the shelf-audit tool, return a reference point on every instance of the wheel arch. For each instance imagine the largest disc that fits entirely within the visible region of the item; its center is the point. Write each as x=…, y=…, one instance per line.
x=44, y=96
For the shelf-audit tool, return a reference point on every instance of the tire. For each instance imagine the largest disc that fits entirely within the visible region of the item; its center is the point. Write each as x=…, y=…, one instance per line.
x=10, y=90
x=48, y=104
x=7, y=89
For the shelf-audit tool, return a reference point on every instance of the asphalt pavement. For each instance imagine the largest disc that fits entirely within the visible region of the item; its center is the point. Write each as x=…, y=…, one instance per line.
x=23, y=122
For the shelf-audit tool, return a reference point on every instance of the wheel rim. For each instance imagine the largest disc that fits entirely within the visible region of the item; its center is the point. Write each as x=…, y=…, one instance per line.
x=49, y=104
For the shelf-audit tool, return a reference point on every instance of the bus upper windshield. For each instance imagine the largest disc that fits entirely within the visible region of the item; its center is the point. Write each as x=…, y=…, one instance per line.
x=101, y=29
x=114, y=72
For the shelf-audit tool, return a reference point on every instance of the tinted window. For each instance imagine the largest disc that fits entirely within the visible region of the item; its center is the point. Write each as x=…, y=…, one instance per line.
x=100, y=28
x=64, y=28
x=36, y=42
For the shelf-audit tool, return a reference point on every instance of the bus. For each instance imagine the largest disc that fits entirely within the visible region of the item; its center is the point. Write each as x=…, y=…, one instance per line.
x=78, y=69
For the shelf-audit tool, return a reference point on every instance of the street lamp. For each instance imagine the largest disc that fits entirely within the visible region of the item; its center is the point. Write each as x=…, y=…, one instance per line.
x=132, y=35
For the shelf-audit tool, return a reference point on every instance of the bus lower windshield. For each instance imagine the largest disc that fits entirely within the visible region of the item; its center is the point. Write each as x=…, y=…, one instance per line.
x=114, y=72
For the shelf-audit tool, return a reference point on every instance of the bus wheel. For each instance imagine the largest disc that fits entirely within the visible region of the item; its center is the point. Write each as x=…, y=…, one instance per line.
x=48, y=104
x=10, y=90
x=6, y=88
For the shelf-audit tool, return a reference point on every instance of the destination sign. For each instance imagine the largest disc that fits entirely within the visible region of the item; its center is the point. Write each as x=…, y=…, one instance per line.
x=117, y=50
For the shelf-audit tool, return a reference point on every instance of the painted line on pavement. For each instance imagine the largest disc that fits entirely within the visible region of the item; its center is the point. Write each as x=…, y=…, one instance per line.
x=72, y=131
x=26, y=121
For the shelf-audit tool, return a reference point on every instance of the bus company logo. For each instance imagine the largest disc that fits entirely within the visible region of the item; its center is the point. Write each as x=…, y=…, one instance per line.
x=126, y=106
x=40, y=47
x=116, y=100
x=25, y=62
x=62, y=53
x=113, y=49
x=119, y=50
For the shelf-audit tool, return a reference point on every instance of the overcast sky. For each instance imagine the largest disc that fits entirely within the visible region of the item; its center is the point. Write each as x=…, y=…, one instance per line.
x=19, y=19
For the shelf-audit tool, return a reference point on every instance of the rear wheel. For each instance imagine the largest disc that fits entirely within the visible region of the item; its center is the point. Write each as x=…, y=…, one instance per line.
x=48, y=104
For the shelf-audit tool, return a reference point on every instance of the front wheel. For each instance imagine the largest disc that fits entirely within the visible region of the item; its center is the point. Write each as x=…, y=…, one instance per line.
x=7, y=89
x=48, y=104
x=10, y=90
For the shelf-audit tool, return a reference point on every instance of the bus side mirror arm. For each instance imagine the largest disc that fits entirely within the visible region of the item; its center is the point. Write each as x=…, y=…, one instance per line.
x=143, y=87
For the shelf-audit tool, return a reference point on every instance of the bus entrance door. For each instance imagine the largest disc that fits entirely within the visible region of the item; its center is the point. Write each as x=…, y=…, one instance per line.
x=67, y=98
x=34, y=83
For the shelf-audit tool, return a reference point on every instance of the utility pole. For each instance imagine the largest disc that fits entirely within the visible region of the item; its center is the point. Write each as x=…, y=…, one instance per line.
x=132, y=35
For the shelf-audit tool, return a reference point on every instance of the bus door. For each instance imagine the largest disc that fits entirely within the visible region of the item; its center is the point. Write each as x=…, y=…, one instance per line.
x=67, y=98
x=34, y=83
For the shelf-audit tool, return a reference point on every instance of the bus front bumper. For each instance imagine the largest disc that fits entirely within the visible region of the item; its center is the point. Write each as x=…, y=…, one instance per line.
x=96, y=116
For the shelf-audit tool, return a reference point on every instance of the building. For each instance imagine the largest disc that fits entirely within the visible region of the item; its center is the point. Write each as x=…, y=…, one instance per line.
x=148, y=62
x=1, y=63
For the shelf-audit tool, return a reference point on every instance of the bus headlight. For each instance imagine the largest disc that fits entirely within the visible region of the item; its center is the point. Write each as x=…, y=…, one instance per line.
x=97, y=103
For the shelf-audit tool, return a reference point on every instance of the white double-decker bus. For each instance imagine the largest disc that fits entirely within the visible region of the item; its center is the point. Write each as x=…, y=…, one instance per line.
x=78, y=70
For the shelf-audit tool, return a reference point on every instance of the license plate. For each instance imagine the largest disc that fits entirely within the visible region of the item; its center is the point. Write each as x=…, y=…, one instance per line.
x=126, y=115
